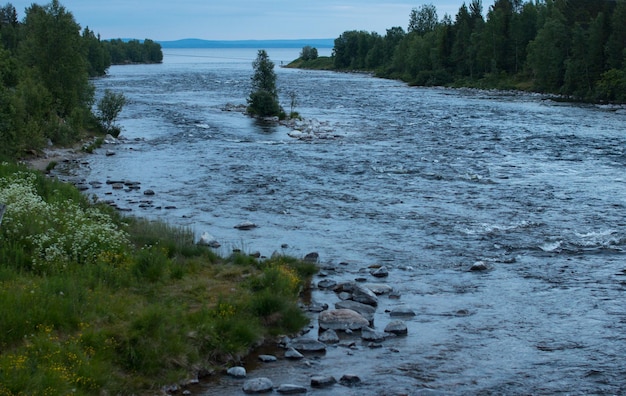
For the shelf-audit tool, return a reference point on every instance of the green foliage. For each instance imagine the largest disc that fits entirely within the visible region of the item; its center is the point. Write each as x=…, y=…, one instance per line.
x=52, y=48
x=321, y=63
x=548, y=70
x=133, y=51
x=263, y=99
x=109, y=107
x=423, y=19
x=612, y=86
x=57, y=230
x=352, y=48
x=99, y=59
x=45, y=66
x=308, y=53
x=26, y=118
x=562, y=47
x=151, y=264
x=263, y=104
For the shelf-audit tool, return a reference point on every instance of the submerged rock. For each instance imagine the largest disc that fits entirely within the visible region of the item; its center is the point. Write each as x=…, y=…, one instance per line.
x=322, y=381
x=479, y=266
x=349, y=380
x=307, y=344
x=402, y=310
x=246, y=225
x=369, y=334
x=290, y=389
x=381, y=272
x=326, y=284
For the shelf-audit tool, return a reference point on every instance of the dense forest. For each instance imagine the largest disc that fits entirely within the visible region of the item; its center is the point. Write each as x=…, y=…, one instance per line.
x=573, y=48
x=46, y=61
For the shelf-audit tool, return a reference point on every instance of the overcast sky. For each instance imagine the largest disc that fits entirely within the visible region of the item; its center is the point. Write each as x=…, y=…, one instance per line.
x=241, y=19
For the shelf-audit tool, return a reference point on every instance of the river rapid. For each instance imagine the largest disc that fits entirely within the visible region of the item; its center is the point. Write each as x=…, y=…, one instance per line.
x=426, y=181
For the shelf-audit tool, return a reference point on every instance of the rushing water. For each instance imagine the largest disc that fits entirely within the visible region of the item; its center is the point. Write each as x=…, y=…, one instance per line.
x=426, y=181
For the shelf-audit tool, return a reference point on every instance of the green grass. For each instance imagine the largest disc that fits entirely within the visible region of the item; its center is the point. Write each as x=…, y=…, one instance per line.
x=96, y=303
x=320, y=63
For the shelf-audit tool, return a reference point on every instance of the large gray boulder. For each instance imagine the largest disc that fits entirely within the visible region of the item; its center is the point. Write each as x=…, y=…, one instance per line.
x=379, y=288
x=237, y=372
x=258, y=385
x=307, y=345
x=397, y=327
x=322, y=381
x=364, y=295
x=342, y=319
x=367, y=311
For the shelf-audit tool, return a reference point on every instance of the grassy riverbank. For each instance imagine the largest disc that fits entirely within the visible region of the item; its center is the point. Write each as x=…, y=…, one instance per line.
x=320, y=63
x=96, y=303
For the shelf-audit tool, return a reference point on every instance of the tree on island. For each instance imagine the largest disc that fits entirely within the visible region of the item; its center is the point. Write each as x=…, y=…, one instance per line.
x=308, y=53
x=263, y=100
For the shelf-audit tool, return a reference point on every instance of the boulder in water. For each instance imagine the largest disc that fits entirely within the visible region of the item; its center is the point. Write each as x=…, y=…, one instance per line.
x=402, y=310
x=381, y=272
x=342, y=319
x=237, y=372
x=246, y=225
x=291, y=389
x=258, y=385
x=364, y=295
x=479, y=266
x=396, y=327
x=307, y=344
x=367, y=311
x=322, y=381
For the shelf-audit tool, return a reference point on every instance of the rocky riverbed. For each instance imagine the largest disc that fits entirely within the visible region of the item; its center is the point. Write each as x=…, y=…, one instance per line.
x=358, y=322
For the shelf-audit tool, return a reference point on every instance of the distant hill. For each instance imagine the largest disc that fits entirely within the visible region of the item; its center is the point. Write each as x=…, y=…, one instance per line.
x=199, y=43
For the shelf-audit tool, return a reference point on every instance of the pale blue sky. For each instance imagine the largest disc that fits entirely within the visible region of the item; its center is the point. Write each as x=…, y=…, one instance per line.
x=241, y=19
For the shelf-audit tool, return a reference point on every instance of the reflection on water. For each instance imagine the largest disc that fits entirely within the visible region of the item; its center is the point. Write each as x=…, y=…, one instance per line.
x=426, y=181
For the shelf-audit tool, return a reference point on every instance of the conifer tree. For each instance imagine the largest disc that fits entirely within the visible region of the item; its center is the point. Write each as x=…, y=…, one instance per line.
x=263, y=100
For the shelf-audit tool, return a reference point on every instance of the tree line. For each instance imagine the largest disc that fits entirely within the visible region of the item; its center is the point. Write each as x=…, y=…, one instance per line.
x=574, y=48
x=46, y=62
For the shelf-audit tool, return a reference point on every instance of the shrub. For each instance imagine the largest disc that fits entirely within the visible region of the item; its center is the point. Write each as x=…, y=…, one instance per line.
x=109, y=107
x=56, y=232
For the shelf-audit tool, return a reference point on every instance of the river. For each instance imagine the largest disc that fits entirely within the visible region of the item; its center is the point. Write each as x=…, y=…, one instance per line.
x=426, y=181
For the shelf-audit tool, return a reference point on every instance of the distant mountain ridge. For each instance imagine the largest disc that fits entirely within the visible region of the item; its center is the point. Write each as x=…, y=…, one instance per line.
x=199, y=43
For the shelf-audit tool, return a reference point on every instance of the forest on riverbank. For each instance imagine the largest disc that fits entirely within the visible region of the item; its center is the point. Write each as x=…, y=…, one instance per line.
x=572, y=48
x=46, y=62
